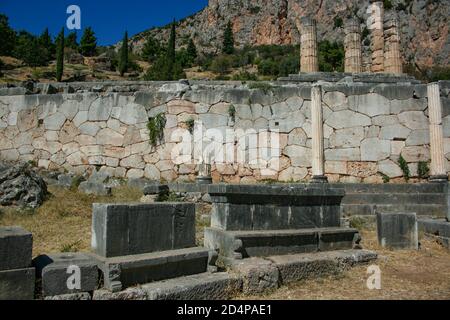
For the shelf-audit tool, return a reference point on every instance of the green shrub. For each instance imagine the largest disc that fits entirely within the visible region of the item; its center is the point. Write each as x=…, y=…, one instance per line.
x=190, y=123
x=423, y=170
x=404, y=167
x=155, y=128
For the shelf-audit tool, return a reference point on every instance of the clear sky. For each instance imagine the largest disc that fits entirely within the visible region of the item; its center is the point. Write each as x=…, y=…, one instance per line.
x=109, y=19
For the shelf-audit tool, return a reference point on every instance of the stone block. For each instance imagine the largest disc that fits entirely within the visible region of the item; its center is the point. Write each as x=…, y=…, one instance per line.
x=127, y=229
x=95, y=188
x=56, y=273
x=17, y=284
x=126, y=271
x=398, y=230
x=15, y=248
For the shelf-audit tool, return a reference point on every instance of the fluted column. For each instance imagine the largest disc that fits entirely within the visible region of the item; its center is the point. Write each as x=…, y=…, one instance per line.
x=438, y=171
x=392, y=55
x=352, y=44
x=204, y=173
x=318, y=158
x=375, y=24
x=309, y=58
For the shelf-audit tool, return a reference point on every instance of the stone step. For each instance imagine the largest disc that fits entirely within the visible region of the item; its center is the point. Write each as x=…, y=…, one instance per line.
x=435, y=227
x=395, y=198
x=437, y=210
x=245, y=244
x=409, y=188
x=126, y=271
x=248, y=276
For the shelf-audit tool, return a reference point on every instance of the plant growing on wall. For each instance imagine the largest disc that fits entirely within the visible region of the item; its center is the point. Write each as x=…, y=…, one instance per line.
x=404, y=167
x=190, y=123
x=232, y=112
x=155, y=128
x=423, y=170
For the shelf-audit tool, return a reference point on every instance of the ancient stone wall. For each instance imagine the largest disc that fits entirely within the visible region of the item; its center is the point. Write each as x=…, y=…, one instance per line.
x=104, y=126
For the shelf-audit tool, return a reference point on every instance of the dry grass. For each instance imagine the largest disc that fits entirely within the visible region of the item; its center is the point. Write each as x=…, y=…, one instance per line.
x=63, y=222
x=423, y=275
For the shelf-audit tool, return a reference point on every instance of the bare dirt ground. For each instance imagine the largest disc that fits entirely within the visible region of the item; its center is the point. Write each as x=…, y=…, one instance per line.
x=405, y=275
x=63, y=223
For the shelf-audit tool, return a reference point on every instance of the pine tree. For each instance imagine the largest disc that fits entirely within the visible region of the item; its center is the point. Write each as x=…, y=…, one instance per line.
x=191, y=51
x=152, y=49
x=7, y=36
x=123, y=62
x=45, y=41
x=228, y=39
x=60, y=56
x=172, y=43
x=71, y=41
x=1, y=67
x=88, y=43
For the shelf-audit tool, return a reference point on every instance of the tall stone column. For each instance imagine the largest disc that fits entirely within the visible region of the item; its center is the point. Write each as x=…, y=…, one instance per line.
x=318, y=157
x=309, y=54
x=438, y=171
x=352, y=44
x=375, y=24
x=392, y=56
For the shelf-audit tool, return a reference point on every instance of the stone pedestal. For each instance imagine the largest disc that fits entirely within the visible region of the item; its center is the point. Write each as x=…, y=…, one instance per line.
x=259, y=221
x=392, y=55
x=438, y=170
x=375, y=24
x=352, y=44
x=204, y=174
x=318, y=161
x=398, y=230
x=309, y=54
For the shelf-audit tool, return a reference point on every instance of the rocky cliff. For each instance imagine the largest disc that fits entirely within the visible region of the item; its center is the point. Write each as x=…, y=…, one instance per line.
x=424, y=25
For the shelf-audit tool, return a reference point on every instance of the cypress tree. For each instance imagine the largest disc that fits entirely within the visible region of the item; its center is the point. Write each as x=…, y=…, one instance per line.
x=123, y=62
x=45, y=41
x=191, y=51
x=152, y=49
x=60, y=56
x=228, y=39
x=71, y=41
x=88, y=43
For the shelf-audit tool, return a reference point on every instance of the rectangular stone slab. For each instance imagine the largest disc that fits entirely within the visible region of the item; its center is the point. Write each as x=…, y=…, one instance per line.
x=398, y=230
x=245, y=244
x=54, y=271
x=277, y=207
x=16, y=245
x=127, y=229
x=122, y=272
x=17, y=284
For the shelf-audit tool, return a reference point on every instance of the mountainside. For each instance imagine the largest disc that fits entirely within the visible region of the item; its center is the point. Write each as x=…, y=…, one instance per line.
x=424, y=25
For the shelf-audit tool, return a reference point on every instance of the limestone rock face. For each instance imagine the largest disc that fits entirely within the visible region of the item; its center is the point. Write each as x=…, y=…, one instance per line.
x=423, y=25
x=21, y=186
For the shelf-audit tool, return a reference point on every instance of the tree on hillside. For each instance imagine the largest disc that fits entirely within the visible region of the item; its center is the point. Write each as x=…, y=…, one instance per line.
x=152, y=49
x=46, y=42
x=29, y=49
x=60, y=56
x=7, y=36
x=88, y=43
x=191, y=51
x=171, y=54
x=2, y=65
x=228, y=39
x=71, y=41
x=123, y=58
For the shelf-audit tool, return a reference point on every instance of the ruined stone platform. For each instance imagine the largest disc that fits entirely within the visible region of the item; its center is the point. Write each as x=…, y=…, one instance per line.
x=350, y=77
x=438, y=229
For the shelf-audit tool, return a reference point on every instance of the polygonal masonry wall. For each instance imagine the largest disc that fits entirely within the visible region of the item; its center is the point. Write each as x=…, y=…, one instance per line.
x=366, y=127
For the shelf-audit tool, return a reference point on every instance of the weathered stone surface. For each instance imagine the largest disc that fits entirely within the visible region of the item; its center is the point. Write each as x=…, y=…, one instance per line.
x=347, y=119
x=398, y=230
x=300, y=156
x=258, y=275
x=15, y=248
x=17, y=284
x=374, y=149
x=55, y=121
x=418, y=138
x=347, y=154
x=56, y=271
x=371, y=104
x=95, y=188
x=390, y=168
x=82, y=296
x=393, y=132
x=22, y=186
x=120, y=230
x=347, y=138
x=414, y=120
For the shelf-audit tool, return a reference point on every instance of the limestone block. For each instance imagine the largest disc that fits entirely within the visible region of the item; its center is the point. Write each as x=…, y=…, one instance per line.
x=347, y=119
x=336, y=167
x=55, y=121
x=396, y=131
x=80, y=118
x=109, y=137
x=135, y=113
x=15, y=248
x=374, y=149
x=100, y=109
x=347, y=154
x=300, y=156
x=371, y=104
x=347, y=138
x=335, y=100
x=418, y=138
x=416, y=153
x=414, y=120
x=17, y=284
